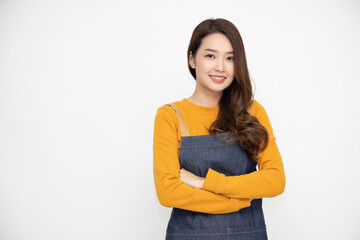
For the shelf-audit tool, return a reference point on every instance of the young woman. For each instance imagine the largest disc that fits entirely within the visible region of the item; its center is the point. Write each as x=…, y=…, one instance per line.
x=207, y=146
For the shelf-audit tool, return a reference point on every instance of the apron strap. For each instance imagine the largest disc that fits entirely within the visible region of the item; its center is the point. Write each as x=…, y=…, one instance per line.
x=183, y=128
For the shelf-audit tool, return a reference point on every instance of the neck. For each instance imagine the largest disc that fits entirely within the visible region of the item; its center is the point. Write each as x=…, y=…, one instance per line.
x=205, y=99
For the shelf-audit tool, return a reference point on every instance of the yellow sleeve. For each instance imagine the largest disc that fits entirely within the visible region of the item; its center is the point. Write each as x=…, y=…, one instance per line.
x=170, y=190
x=269, y=181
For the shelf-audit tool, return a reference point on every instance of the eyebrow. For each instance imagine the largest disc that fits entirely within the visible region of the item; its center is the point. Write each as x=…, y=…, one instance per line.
x=212, y=50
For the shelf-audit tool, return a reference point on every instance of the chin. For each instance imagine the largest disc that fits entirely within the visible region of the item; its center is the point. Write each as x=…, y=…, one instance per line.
x=217, y=89
x=220, y=87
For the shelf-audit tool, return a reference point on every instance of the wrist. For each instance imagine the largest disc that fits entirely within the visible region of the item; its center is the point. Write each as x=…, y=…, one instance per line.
x=201, y=182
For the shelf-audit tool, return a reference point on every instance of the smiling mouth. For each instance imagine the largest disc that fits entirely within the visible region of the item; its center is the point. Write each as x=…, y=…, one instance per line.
x=218, y=78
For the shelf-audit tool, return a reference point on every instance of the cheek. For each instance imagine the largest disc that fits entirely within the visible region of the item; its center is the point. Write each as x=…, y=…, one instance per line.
x=231, y=69
x=204, y=67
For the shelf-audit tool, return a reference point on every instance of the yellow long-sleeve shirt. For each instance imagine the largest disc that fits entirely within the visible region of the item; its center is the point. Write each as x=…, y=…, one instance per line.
x=220, y=193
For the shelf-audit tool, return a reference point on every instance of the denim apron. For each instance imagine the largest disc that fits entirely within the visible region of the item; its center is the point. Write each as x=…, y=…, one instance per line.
x=197, y=155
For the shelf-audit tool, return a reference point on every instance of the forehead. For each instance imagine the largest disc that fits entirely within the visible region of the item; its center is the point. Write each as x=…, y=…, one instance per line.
x=216, y=41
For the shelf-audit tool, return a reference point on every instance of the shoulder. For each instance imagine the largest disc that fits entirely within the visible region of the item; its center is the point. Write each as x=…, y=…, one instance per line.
x=262, y=116
x=166, y=123
x=257, y=109
x=167, y=109
x=167, y=113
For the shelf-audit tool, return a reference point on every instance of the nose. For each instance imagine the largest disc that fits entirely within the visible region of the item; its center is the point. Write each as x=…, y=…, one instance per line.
x=219, y=65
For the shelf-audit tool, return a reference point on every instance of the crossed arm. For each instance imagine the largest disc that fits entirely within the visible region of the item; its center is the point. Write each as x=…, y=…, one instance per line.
x=269, y=181
x=170, y=189
x=216, y=193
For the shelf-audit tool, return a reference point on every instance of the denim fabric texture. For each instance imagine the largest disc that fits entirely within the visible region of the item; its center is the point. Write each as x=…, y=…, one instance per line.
x=197, y=155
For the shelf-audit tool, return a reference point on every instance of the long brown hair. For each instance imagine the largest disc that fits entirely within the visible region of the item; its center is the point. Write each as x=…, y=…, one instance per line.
x=233, y=116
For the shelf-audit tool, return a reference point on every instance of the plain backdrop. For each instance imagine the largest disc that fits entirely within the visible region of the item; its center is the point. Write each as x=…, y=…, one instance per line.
x=80, y=83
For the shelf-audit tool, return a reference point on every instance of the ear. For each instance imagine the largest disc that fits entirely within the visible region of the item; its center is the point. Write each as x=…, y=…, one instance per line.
x=192, y=60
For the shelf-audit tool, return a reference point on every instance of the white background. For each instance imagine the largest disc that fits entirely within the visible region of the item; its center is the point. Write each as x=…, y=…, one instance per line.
x=80, y=83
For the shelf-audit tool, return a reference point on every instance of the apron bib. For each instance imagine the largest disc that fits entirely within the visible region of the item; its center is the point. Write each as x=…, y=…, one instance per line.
x=197, y=155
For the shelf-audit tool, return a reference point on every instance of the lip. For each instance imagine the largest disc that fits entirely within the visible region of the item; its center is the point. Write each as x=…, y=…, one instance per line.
x=218, y=80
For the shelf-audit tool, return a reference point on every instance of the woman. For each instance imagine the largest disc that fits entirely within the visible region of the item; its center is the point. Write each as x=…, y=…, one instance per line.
x=207, y=146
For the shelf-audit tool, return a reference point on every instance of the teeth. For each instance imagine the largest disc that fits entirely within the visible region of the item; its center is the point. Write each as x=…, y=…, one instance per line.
x=218, y=77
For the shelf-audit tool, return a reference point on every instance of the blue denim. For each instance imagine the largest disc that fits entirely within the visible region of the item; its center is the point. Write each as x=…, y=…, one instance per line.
x=197, y=155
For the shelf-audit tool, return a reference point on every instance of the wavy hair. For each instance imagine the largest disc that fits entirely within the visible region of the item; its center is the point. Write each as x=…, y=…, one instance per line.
x=233, y=116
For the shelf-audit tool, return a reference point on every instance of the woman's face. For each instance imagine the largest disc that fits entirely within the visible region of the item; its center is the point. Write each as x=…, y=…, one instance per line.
x=213, y=63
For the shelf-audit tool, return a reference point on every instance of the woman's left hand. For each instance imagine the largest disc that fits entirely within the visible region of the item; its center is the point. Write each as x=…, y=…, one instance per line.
x=191, y=179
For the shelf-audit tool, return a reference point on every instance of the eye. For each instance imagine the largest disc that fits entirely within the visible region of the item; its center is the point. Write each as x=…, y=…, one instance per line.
x=209, y=56
x=230, y=58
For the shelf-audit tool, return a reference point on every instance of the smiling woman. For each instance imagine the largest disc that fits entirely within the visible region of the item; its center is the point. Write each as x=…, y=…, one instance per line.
x=213, y=64
x=207, y=146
